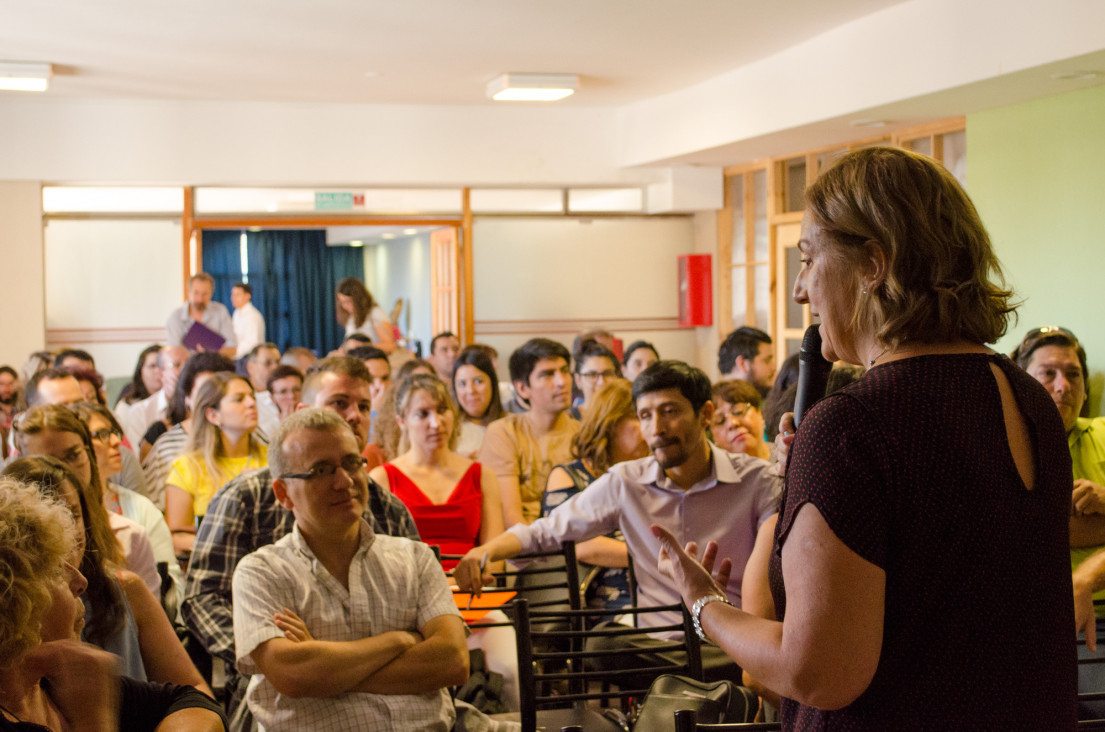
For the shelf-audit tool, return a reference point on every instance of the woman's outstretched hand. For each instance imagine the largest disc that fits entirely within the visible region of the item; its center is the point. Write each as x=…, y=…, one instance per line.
x=691, y=575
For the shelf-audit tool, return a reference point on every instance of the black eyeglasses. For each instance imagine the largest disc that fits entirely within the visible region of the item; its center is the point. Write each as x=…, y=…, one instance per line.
x=350, y=464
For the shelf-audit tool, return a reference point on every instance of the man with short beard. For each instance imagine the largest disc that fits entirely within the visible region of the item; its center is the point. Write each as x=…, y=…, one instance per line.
x=694, y=489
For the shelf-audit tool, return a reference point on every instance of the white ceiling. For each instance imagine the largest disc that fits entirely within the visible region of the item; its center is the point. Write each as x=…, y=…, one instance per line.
x=404, y=52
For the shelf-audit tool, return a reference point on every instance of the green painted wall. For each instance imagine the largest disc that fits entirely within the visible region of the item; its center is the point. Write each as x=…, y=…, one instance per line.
x=1036, y=172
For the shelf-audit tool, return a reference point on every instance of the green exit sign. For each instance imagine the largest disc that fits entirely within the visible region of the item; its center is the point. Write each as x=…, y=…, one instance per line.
x=330, y=201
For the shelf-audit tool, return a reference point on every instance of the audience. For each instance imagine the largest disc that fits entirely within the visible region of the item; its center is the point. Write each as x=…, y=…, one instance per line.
x=521, y=449
x=105, y=434
x=476, y=391
x=71, y=359
x=595, y=365
x=261, y=361
x=52, y=386
x=443, y=354
x=1054, y=357
x=746, y=354
x=245, y=516
x=248, y=323
x=610, y=434
x=121, y=615
x=37, y=361
x=200, y=309
x=285, y=384
x=137, y=418
x=172, y=439
x=454, y=502
x=702, y=492
x=403, y=647
x=48, y=679
x=638, y=357
x=55, y=431
x=10, y=394
x=146, y=379
x=738, y=423
x=300, y=357
x=221, y=446
x=358, y=312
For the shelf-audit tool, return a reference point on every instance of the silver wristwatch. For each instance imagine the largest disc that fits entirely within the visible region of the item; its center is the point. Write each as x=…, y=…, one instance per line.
x=696, y=610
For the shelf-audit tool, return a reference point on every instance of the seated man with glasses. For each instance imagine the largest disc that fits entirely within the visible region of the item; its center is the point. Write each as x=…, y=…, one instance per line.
x=244, y=516
x=341, y=627
x=1054, y=357
x=595, y=365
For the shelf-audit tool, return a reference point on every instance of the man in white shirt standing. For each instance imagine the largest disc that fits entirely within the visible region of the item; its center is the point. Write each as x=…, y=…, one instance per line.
x=249, y=324
x=341, y=627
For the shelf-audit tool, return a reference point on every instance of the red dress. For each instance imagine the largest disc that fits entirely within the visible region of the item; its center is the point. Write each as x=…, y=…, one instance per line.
x=454, y=526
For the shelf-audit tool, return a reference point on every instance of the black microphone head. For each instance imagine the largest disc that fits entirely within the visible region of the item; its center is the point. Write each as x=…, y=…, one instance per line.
x=813, y=373
x=810, y=352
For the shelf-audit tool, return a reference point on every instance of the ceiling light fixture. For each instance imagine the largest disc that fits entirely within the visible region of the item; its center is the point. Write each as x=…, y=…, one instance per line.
x=515, y=87
x=22, y=76
x=356, y=243
x=1075, y=75
x=868, y=123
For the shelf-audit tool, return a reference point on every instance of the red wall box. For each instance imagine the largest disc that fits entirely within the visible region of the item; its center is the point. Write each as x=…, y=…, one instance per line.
x=696, y=290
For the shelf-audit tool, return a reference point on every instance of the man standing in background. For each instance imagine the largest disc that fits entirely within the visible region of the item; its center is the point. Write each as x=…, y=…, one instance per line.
x=249, y=324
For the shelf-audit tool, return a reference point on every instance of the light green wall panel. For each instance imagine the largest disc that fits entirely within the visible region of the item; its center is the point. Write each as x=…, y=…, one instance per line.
x=1036, y=172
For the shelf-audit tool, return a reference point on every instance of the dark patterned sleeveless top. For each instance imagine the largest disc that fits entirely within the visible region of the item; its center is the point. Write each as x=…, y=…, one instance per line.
x=911, y=468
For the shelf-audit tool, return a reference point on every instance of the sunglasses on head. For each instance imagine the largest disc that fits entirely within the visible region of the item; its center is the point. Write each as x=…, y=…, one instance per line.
x=1036, y=335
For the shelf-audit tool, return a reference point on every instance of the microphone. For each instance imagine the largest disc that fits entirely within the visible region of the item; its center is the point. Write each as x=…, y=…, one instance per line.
x=813, y=373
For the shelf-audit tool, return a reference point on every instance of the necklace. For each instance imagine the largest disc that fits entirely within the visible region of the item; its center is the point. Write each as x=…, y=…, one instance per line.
x=876, y=358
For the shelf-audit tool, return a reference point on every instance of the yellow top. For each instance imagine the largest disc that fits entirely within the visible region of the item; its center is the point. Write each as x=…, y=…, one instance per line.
x=189, y=473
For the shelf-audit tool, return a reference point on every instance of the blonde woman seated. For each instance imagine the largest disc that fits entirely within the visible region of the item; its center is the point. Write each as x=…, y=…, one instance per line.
x=454, y=502
x=221, y=446
x=610, y=434
x=48, y=679
x=738, y=423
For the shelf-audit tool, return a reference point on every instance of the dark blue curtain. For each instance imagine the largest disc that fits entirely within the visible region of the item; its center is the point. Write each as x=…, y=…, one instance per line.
x=222, y=259
x=294, y=274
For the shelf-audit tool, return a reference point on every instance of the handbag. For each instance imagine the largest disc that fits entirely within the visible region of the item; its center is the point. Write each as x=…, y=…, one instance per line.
x=720, y=701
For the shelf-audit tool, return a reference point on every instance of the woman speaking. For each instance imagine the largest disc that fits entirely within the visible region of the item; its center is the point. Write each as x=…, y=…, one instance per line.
x=920, y=566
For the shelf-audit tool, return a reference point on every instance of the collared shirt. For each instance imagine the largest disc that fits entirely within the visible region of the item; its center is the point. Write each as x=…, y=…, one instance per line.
x=215, y=316
x=1087, y=452
x=249, y=328
x=243, y=517
x=136, y=418
x=394, y=584
x=728, y=506
x=268, y=414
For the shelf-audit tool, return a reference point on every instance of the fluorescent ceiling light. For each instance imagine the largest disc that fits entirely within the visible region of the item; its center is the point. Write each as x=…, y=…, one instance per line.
x=516, y=87
x=356, y=243
x=19, y=76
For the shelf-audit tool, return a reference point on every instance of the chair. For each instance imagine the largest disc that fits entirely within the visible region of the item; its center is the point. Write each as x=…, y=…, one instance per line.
x=685, y=722
x=555, y=684
x=1090, y=703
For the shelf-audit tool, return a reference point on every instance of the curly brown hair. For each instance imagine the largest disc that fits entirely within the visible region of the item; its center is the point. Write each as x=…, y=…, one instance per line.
x=943, y=281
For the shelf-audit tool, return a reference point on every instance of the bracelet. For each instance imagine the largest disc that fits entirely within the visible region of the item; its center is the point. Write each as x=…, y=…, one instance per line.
x=696, y=611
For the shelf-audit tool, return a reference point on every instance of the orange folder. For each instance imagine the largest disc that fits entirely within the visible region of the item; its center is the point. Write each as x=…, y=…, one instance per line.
x=482, y=605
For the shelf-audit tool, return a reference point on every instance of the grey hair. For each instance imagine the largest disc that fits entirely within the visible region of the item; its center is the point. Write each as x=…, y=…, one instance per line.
x=315, y=419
